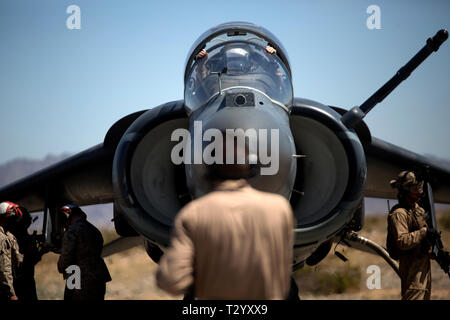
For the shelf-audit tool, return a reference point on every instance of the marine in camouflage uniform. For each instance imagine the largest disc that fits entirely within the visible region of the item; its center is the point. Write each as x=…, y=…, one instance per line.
x=24, y=283
x=10, y=257
x=82, y=245
x=408, y=228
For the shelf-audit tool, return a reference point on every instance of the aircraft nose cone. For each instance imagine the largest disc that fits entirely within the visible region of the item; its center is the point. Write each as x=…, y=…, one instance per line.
x=243, y=118
x=267, y=136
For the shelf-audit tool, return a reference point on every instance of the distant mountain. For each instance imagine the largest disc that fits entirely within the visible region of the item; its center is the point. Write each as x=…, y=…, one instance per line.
x=99, y=215
x=21, y=167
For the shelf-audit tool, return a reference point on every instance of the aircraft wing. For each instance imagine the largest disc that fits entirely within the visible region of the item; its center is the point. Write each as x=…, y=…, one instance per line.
x=65, y=181
x=384, y=163
x=84, y=178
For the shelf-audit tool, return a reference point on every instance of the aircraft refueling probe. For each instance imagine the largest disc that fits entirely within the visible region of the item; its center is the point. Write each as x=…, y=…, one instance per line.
x=356, y=114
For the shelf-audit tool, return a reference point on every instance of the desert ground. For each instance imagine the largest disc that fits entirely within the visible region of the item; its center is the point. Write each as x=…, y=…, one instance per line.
x=133, y=272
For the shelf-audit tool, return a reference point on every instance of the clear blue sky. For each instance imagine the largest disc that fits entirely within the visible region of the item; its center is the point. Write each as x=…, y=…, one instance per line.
x=60, y=89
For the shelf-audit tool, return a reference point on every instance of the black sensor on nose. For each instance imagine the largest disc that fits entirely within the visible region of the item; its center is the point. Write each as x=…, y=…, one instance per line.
x=240, y=100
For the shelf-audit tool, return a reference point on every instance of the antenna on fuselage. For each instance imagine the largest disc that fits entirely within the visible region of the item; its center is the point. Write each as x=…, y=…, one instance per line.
x=224, y=70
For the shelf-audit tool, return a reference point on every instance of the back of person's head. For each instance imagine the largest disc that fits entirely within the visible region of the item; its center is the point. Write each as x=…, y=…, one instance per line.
x=232, y=171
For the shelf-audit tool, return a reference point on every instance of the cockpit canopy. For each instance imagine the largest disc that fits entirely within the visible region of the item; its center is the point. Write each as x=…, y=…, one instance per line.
x=236, y=59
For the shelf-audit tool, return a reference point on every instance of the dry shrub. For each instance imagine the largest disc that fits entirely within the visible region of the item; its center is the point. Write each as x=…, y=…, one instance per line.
x=326, y=282
x=444, y=220
x=108, y=235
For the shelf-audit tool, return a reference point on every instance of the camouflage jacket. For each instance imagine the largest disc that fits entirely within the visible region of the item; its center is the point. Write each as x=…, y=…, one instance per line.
x=10, y=260
x=406, y=226
x=415, y=271
x=82, y=245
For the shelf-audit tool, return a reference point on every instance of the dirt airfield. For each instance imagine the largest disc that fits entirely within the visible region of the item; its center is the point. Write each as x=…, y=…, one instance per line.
x=133, y=272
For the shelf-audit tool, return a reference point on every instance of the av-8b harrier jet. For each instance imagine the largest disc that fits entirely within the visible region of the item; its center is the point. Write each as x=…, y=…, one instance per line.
x=323, y=159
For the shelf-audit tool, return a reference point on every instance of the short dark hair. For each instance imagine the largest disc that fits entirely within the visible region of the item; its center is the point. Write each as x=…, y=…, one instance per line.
x=224, y=171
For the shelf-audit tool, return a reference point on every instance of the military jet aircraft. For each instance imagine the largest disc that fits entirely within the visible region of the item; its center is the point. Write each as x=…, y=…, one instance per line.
x=326, y=159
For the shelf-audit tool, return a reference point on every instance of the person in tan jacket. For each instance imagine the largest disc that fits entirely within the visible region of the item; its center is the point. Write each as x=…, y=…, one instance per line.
x=408, y=230
x=234, y=243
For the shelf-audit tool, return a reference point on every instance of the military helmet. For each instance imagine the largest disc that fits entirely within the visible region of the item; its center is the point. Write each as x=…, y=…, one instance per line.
x=10, y=209
x=69, y=209
x=407, y=181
